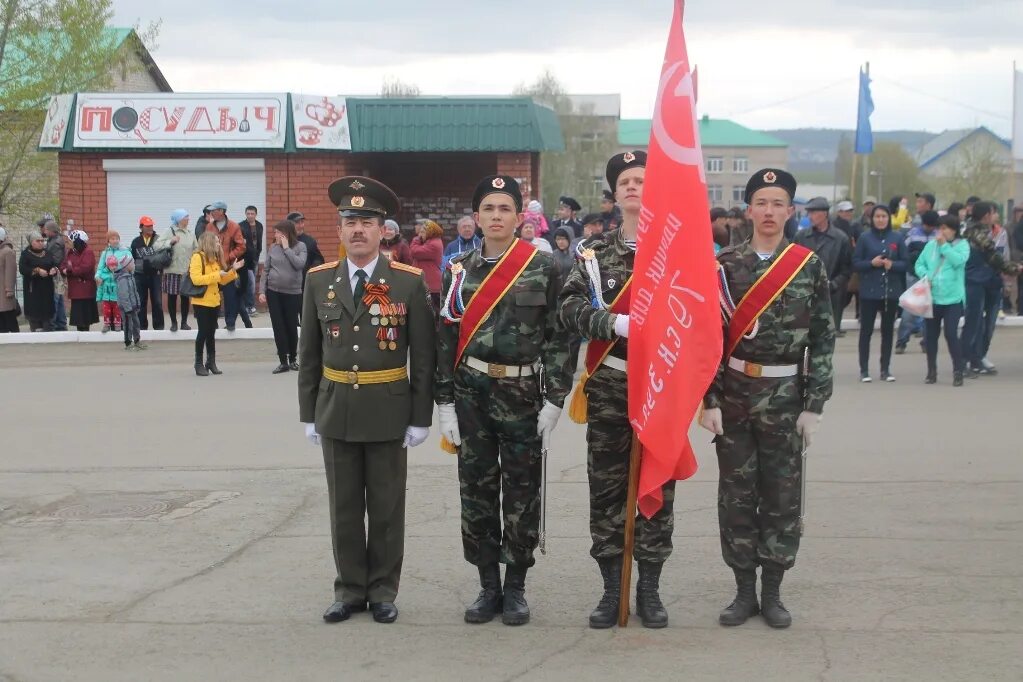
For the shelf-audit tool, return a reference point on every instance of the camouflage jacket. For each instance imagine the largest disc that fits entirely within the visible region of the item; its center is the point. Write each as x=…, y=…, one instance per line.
x=521, y=329
x=579, y=315
x=985, y=262
x=799, y=318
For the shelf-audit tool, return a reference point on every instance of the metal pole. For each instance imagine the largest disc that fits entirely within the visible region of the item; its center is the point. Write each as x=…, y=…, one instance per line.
x=866, y=157
x=543, y=503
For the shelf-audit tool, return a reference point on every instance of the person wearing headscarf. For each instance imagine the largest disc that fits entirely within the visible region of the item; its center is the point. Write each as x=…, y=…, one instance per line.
x=182, y=242
x=79, y=268
x=8, y=285
x=527, y=233
x=393, y=246
x=38, y=268
x=427, y=253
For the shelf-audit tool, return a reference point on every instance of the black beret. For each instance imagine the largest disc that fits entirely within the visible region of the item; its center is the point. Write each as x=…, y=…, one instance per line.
x=497, y=184
x=355, y=196
x=619, y=163
x=770, y=177
x=570, y=202
x=609, y=196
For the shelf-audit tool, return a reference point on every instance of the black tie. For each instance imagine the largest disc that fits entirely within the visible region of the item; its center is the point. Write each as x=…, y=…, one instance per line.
x=360, y=286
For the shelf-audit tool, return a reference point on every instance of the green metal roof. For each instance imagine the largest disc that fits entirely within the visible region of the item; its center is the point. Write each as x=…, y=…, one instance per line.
x=452, y=124
x=714, y=132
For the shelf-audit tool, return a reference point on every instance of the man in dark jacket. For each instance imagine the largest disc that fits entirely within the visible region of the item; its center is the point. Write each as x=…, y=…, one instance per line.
x=313, y=256
x=203, y=221
x=610, y=213
x=833, y=247
x=56, y=247
x=567, y=209
x=252, y=230
x=148, y=280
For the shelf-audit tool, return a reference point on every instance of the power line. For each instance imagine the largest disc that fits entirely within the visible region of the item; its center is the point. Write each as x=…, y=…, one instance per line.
x=802, y=95
x=939, y=98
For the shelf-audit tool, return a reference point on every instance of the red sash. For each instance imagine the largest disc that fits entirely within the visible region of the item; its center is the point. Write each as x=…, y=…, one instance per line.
x=598, y=349
x=491, y=290
x=764, y=291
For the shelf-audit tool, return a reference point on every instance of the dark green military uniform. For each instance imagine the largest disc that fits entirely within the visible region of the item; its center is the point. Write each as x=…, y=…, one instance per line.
x=362, y=415
x=759, y=455
x=500, y=455
x=608, y=432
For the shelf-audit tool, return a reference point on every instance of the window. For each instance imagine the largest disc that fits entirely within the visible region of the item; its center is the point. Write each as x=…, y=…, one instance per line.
x=715, y=164
x=715, y=194
x=740, y=164
x=738, y=194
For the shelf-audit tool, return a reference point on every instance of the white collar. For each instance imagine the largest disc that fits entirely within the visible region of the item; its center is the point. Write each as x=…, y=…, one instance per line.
x=368, y=269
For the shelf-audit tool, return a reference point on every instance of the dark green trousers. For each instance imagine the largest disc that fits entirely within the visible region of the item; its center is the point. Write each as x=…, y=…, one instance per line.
x=366, y=487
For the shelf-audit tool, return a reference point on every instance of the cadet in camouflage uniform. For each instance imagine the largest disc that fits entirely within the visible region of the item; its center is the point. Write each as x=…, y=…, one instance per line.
x=585, y=312
x=763, y=412
x=491, y=403
x=365, y=393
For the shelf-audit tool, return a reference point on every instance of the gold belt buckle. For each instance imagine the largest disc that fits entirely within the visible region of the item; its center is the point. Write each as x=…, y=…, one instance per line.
x=752, y=369
x=496, y=371
x=353, y=377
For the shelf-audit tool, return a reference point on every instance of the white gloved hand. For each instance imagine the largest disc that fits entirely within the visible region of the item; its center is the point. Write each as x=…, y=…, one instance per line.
x=545, y=423
x=622, y=326
x=311, y=435
x=712, y=421
x=415, y=435
x=449, y=423
x=806, y=425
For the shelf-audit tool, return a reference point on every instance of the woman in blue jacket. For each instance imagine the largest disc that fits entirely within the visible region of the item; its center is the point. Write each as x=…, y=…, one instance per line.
x=943, y=263
x=880, y=258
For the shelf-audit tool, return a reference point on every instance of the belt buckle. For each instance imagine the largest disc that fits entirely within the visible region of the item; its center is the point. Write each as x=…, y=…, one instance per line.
x=496, y=371
x=752, y=369
x=353, y=377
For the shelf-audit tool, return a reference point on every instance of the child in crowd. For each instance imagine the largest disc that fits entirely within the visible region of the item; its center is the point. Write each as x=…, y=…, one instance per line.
x=106, y=287
x=128, y=301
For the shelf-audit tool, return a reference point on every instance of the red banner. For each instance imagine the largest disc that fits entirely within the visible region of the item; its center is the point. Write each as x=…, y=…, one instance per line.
x=675, y=321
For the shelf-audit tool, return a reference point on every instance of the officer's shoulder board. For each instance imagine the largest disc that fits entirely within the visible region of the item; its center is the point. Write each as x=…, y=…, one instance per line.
x=326, y=266
x=395, y=265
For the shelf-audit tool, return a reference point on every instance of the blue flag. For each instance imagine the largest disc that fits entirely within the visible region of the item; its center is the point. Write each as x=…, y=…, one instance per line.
x=864, y=135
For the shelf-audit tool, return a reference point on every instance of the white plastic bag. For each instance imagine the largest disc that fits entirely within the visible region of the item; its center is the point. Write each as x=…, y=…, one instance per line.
x=917, y=299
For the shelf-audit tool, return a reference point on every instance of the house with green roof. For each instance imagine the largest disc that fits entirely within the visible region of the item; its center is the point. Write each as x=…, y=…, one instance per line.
x=730, y=153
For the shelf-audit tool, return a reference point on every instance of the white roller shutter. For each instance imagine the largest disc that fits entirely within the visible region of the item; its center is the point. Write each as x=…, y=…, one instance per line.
x=155, y=187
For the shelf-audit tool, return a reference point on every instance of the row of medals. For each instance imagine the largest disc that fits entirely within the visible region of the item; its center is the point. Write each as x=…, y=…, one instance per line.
x=387, y=316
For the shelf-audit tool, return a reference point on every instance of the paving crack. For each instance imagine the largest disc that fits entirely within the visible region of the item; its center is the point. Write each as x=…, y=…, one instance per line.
x=827, y=657
x=557, y=652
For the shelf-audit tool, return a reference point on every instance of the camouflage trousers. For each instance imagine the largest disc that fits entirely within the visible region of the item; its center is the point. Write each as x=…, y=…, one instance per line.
x=609, y=440
x=760, y=464
x=499, y=460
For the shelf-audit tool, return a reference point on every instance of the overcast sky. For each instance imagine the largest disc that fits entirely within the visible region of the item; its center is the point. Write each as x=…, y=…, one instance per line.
x=936, y=64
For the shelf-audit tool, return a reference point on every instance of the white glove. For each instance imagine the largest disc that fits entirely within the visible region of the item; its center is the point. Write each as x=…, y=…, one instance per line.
x=712, y=421
x=449, y=423
x=622, y=326
x=415, y=435
x=546, y=422
x=311, y=435
x=806, y=425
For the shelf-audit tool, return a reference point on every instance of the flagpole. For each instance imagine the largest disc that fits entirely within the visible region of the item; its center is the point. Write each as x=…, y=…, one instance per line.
x=866, y=157
x=630, y=531
x=1011, y=204
x=852, y=179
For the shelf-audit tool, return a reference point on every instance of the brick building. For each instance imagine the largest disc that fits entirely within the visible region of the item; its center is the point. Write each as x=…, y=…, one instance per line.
x=431, y=151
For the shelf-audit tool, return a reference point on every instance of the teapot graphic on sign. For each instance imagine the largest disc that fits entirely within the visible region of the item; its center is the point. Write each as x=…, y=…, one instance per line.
x=324, y=113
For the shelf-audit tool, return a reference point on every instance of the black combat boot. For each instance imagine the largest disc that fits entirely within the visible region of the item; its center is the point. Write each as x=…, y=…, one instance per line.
x=744, y=606
x=606, y=613
x=200, y=370
x=488, y=604
x=648, y=601
x=516, y=610
x=957, y=378
x=211, y=363
x=773, y=610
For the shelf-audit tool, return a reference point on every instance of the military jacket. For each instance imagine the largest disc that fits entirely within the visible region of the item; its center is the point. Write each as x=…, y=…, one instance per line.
x=580, y=314
x=521, y=329
x=338, y=333
x=798, y=319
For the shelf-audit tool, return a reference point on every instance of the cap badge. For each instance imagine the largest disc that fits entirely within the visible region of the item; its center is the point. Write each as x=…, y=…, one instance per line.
x=498, y=183
x=628, y=157
x=358, y=202
x=769, y=176
x=356, y=185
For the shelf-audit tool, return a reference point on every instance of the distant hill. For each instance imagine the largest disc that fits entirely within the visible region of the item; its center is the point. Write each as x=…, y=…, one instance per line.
x=813, y=150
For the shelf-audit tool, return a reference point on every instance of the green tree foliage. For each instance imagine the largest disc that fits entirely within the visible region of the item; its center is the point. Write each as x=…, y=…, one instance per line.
x=899, y=172
x=48, y=47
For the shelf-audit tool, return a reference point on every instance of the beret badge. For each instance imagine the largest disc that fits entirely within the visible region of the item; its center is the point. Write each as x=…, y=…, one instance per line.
x=498, y=183
x=770, y=177
x=628, y=157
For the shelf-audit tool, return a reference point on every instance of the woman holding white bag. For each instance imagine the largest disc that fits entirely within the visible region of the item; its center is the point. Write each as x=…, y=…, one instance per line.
x=943, y=263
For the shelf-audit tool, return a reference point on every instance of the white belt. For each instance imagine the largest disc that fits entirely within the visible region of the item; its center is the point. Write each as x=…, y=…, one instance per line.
x=501, y=371
x=616, y=363
x=752, y=369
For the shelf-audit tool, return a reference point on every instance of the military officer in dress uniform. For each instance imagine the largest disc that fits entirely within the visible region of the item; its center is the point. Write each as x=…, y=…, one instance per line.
x=502, y=377
x=365, y=388
x=567, y=210
x=595, y=305
x=766, y=401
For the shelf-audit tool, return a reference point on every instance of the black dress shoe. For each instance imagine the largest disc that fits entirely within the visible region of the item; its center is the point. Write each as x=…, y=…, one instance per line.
x=384, y=611
x=340, y=611
x=281, y=368
x=293, y=366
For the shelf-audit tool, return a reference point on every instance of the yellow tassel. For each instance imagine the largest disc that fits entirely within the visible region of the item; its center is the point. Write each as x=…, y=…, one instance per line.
x=447, y=446
x=577, y=408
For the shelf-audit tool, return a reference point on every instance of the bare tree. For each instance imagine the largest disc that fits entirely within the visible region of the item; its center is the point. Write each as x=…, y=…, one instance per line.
x=979, y=167
x=394, y=87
